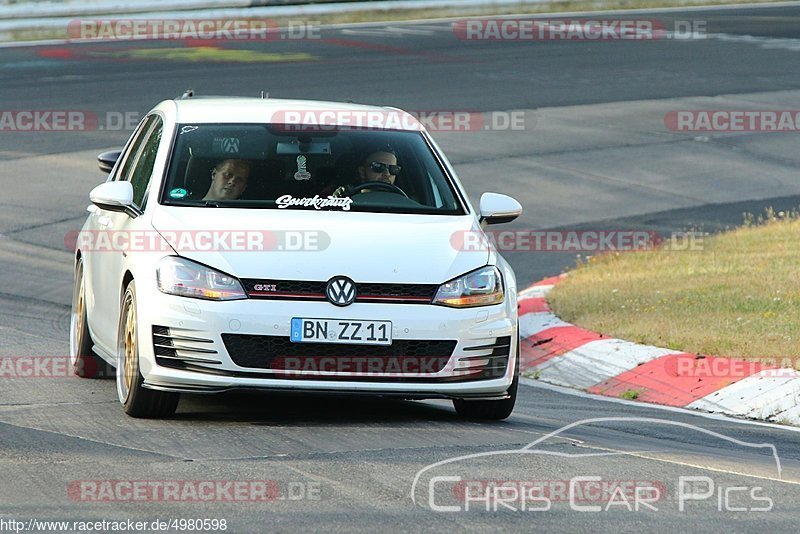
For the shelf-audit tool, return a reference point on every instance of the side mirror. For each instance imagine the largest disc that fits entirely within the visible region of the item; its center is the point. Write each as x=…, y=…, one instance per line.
x=496, y=208
x=107, y=160
x=115, y=196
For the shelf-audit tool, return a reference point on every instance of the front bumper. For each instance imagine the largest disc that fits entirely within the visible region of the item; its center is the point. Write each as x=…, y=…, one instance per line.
x=201, y=362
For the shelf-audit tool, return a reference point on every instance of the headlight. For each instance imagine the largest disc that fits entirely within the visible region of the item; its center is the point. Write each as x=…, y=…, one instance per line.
x=179, y=276
x=478, y=288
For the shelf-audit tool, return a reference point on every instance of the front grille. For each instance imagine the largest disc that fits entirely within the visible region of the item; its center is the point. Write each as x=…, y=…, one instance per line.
x=312, y=290
x=278, y=353
x=284, y=288
x=421, y=292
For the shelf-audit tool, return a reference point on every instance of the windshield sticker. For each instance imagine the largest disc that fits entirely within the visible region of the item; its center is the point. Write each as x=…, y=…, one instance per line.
x=316, y=202
x=302, y=173
x=187, y=129
x=178, y=193
x=226, y=145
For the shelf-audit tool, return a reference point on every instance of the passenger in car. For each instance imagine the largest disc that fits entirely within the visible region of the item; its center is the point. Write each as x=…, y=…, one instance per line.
x=229, y=179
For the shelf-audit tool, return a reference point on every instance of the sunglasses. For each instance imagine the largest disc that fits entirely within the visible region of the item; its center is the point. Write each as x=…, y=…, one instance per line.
x=379, y=167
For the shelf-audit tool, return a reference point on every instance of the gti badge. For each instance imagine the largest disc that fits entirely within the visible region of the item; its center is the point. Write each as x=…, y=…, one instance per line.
x=265, y=287
x=341, y=291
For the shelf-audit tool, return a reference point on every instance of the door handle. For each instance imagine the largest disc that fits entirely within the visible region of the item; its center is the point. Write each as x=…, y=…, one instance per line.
x=104, y=221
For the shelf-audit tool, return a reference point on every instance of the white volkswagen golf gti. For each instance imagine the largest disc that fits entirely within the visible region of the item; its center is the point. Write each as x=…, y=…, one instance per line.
x=292, y=246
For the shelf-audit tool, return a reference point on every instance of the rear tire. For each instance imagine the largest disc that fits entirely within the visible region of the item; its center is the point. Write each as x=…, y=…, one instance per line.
x=136, y=400
x=85, y=363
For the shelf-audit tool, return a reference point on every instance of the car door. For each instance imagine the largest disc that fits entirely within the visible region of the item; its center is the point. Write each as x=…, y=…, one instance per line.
x=107, y=265
x=94, y=250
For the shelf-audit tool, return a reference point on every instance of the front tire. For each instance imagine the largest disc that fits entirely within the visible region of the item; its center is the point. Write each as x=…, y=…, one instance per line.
x=136, y=400
x=85, y=363
x=491, y=410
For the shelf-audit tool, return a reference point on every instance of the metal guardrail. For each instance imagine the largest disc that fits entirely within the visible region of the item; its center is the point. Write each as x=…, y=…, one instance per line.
x=42, y=9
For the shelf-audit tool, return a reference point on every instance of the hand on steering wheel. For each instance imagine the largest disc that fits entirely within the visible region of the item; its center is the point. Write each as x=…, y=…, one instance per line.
x=386, y=186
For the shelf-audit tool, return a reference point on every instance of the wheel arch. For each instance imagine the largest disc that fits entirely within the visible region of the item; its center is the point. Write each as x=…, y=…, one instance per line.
x=127, y=278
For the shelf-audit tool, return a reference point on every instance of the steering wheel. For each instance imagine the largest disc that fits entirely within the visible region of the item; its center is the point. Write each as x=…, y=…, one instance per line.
x=386, y=186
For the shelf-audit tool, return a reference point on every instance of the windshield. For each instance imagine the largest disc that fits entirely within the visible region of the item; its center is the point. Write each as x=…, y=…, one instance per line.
x=316, y=168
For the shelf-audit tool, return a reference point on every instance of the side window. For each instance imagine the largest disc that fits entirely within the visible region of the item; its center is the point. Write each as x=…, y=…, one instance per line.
x=133, y=149
x=139, y=166
x=143, y=168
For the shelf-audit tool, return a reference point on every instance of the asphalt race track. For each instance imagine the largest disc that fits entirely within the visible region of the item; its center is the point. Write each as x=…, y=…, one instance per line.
x=594, y=153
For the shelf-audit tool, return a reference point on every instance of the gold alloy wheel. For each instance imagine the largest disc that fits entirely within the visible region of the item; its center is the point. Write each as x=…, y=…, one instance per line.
x=81, y=304
x=85, y=363
x=77, y=319
x=136, y=400
x=127, y=348
x=130, y=347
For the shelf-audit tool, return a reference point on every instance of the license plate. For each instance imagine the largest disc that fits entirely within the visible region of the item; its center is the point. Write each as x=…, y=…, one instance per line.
x=341, y=331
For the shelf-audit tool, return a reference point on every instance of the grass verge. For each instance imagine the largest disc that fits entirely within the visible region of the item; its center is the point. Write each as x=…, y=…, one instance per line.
x=739, y=296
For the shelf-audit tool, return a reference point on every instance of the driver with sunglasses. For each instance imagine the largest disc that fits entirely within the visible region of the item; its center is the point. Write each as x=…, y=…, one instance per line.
x=378, y=166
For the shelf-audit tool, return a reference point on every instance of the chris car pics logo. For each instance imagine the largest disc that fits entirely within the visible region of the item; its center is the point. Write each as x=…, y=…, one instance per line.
x=597, y=480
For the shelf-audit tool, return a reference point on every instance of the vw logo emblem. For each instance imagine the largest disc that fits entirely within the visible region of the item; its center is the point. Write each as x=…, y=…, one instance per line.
x=341, y=291
x=230, y=145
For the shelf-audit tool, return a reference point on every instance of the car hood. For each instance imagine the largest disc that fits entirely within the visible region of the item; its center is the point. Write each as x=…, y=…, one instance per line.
x=367, y=247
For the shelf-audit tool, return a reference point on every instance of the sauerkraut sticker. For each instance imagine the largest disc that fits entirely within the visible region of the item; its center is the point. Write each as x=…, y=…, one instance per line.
x=317, y=202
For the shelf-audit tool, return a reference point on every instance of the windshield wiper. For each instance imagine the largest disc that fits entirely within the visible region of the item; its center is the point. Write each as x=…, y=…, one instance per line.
x=212, y=203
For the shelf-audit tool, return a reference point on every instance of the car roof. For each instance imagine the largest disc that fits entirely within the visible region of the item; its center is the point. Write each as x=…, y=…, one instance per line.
x=273, y=110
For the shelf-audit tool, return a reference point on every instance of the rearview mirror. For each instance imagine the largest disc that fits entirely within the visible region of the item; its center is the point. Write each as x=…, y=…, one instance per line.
x=115, y=196
x=107, y=160
x=496, y=208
